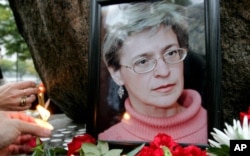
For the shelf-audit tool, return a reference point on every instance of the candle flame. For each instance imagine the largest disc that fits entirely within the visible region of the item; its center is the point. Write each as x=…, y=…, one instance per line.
x=41, y=89
x=44, y=113
x=126, y=116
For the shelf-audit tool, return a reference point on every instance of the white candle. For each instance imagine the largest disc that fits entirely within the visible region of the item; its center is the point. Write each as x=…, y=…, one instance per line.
x=44, y=113
x=44, y=124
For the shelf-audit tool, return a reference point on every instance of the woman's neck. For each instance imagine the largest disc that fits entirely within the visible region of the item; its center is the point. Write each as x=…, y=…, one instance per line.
x=155, y=111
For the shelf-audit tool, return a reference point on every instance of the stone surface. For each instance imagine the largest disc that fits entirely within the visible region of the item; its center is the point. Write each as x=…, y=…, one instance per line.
x=57, y=36
x=235, y=48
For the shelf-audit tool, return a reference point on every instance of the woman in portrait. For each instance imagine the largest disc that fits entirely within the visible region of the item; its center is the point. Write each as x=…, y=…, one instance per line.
x=144, y=54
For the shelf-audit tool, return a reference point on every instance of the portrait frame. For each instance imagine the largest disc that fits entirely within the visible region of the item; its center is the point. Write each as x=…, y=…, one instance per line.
x=212, y=92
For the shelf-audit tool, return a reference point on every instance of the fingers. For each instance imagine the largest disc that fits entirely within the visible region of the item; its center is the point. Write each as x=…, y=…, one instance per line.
x=19, y=115
x=20, y=146
x=29, y=125
x=34, y=129
x=25, y=102
x=23, y=139
x=30, y=99
x=25, y=84
x=16, y=149
x=24, y=88
x=18, y=95
x=22, y=103
x=20, y=108
x=28, y=91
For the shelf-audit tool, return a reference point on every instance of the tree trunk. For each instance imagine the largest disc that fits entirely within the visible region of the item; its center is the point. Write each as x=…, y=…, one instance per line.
x=57, y=35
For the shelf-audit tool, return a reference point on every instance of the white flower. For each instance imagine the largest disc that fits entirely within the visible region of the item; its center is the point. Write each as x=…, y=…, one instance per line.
x=235, y=132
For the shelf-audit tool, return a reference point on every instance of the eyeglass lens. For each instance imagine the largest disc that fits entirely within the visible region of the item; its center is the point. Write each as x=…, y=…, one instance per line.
x=146, y=65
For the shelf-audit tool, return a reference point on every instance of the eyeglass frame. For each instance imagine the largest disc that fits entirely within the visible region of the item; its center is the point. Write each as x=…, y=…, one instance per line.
x=155, y=60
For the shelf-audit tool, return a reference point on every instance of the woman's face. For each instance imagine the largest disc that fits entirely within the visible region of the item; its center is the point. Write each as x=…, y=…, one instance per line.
x=159, y=88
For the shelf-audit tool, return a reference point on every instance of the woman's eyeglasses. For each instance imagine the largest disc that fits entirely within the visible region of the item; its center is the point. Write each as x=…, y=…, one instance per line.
x=144, y=65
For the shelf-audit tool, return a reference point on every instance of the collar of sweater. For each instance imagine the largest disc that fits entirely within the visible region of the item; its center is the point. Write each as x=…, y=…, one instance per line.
x=188, y=121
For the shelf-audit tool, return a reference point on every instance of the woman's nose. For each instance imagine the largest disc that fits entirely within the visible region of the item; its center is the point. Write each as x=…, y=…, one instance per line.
x=162, y=68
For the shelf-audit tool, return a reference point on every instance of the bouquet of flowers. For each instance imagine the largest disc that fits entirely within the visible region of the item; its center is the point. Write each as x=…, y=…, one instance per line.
x=164, y=145
x=86, y=145
x=161, y=145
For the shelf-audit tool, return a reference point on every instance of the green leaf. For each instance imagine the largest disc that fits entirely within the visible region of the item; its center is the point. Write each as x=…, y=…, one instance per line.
x=38, y=141
x=113, y=152
x=49, y=152
x=90, y=149
x=103, y=147
x=38, y=152
x=81, y=153
x=55, y=151
x=58, y=150
x=224, y=150
x=136, y=150
x=89, y=154
x=166, y=151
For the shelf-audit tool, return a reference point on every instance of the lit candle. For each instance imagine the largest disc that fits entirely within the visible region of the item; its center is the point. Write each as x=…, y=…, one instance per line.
x=41, y=91
x=44, y=124
x=45, y=114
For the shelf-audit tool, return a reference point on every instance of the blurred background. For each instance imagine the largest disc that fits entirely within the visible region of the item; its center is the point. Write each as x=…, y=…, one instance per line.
x=15, y=60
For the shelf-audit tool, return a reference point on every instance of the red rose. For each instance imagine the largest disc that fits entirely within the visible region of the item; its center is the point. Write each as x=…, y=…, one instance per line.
x=160, y=140
x=192, y=150
x=155, y=149
x=178, y=151
x=32, y=142
x=163, y=140
x=242, y=114
x=75, y=145
x=151, y=151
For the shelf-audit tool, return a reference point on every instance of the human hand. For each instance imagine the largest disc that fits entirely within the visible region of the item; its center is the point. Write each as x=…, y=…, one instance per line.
x=16, y=130
x=17, y=96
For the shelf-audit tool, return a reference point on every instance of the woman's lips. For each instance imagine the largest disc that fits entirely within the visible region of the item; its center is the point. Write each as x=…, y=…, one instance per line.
x=164, y=88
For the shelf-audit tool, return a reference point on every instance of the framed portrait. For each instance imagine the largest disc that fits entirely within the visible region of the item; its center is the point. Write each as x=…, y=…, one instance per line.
x=201, y=66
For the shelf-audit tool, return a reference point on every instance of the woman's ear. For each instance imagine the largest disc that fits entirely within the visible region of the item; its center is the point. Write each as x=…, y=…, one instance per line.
x=116, y=76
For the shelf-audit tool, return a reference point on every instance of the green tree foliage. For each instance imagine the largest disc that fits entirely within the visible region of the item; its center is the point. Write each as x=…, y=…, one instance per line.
x=10, y=38
x=24, y=68
x=7, y=65
x=183, y=2
x=14, y=44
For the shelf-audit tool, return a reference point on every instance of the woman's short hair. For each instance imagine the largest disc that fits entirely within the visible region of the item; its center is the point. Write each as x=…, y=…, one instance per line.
x=136, y=17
